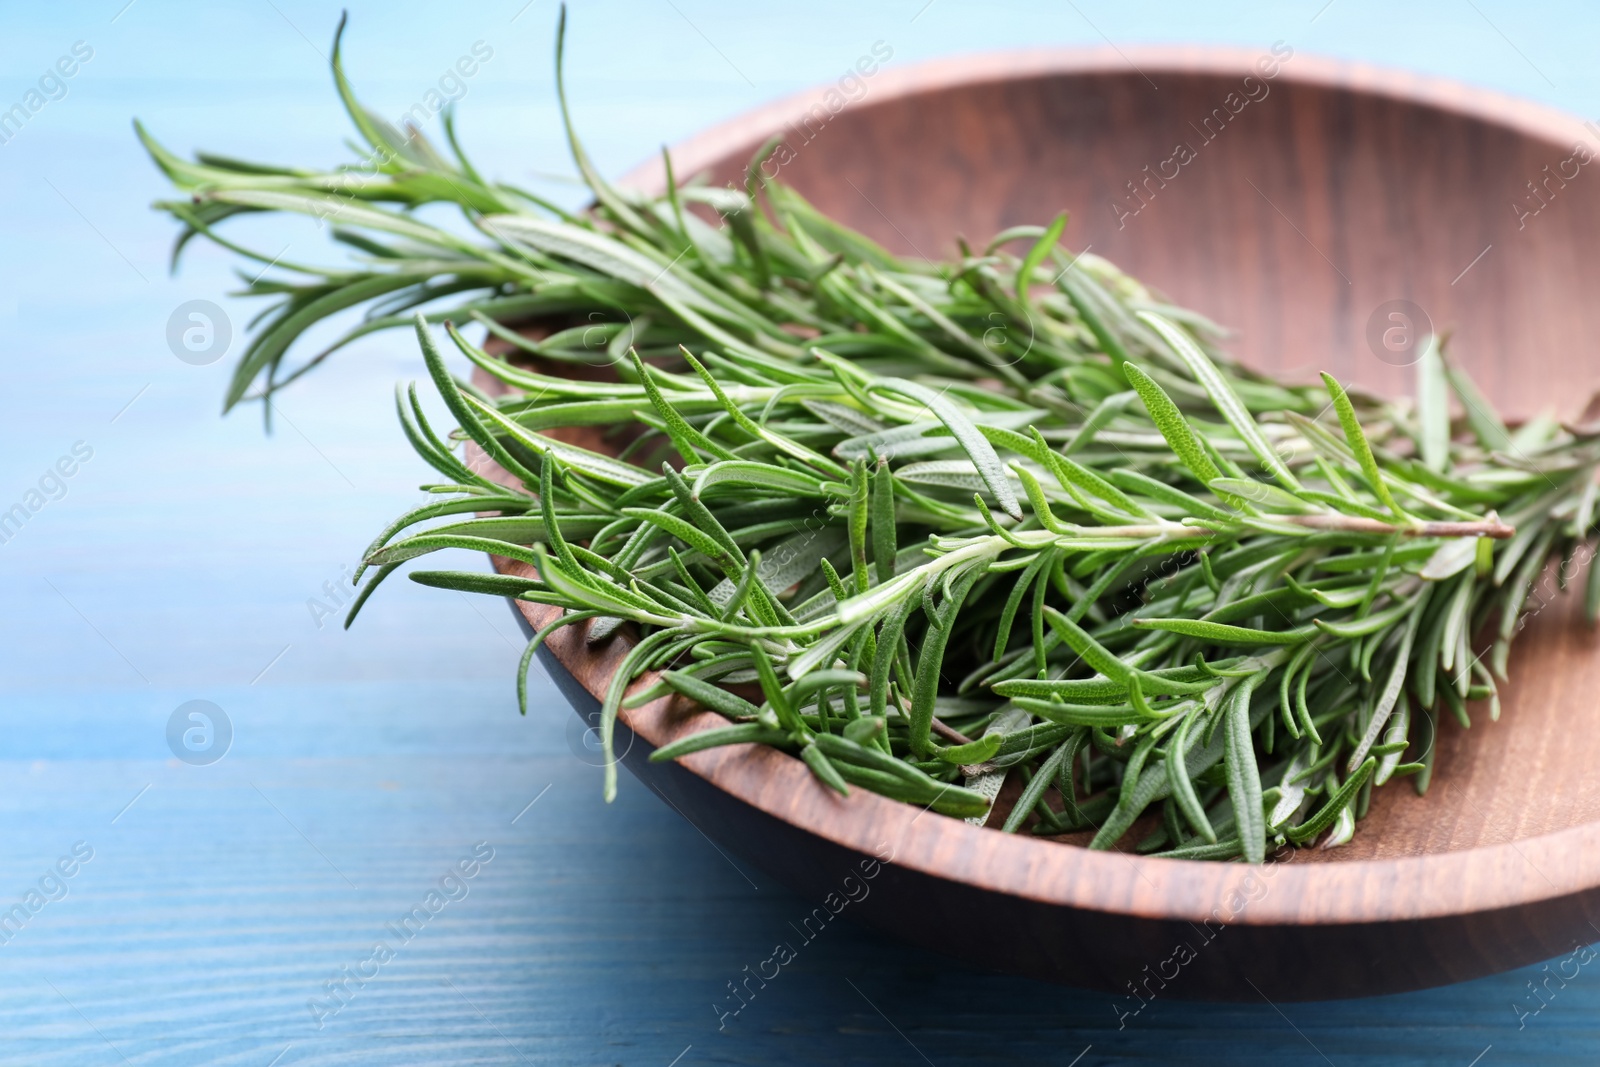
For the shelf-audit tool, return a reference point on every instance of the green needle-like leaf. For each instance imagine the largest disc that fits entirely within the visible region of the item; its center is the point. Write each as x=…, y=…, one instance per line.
x=1223, y=396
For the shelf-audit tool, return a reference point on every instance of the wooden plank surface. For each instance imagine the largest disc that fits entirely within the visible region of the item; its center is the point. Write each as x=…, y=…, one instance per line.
x=178, y=562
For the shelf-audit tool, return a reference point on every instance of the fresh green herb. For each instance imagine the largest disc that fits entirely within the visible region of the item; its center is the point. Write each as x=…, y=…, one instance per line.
x=924, y=524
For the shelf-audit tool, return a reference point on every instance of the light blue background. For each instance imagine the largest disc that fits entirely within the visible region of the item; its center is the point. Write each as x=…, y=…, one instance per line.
x=179, y=564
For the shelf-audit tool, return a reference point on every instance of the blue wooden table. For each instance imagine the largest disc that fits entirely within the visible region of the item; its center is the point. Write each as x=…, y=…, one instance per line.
x=387, y=864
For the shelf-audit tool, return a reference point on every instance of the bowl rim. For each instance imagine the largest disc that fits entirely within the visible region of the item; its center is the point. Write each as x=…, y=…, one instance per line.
x=1489, y=877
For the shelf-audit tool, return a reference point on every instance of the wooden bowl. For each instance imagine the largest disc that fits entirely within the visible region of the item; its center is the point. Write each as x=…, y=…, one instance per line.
x=1331, y=191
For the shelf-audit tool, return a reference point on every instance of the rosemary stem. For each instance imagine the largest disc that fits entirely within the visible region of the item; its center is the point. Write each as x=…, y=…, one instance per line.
x=1492, y=528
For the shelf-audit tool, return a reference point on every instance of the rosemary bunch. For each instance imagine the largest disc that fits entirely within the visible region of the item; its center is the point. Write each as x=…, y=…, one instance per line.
x=926, y=525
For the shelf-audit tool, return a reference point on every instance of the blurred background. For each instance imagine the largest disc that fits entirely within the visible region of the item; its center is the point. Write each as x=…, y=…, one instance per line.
x=191, y=557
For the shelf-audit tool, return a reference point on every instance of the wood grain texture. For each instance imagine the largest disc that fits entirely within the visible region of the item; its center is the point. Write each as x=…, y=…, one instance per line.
x=1334, y=191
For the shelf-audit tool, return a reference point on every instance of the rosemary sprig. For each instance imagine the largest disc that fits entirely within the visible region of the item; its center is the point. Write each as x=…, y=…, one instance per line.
x=924, y=524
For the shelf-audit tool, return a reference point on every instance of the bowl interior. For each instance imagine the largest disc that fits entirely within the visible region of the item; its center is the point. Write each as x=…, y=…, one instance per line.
x=1291, y=210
